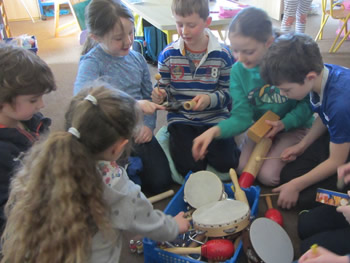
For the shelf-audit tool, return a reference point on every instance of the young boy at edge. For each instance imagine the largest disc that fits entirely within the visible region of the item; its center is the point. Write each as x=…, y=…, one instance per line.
x=294, y=64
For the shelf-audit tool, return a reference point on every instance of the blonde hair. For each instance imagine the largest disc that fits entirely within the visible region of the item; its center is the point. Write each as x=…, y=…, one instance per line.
x=56, y=201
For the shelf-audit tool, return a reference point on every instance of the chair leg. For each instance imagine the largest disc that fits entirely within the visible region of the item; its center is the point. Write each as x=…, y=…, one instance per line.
x=73, y=13
x=320, y=32
x=346, y=35
x=59, y=27
x=57, y=17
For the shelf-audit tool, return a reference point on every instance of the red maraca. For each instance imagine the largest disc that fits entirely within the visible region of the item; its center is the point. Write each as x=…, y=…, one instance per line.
x=216, y=249
x=273, y=213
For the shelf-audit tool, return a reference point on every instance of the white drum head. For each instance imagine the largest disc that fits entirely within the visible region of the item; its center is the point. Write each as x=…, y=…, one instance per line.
x=270, y=241
x=220, y=213
x=202, y=188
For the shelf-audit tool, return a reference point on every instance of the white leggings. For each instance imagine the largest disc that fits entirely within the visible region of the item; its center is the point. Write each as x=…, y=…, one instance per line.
x=295, y=9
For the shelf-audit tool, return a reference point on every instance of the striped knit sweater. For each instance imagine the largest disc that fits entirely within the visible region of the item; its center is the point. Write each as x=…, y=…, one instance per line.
x=210, y=77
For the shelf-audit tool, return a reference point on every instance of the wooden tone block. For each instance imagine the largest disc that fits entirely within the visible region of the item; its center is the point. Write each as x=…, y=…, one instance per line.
x=258, y=130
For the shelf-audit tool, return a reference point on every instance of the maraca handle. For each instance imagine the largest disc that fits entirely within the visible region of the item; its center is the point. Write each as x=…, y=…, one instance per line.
x=268, y=202
x=239, y=193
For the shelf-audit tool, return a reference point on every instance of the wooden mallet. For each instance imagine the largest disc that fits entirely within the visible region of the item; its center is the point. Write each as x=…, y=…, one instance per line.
x=161, y=196
x=158, y=77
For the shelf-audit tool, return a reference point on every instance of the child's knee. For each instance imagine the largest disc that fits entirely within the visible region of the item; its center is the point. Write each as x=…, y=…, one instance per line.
x=290, y=21
x=268, y=178
x=302, y=19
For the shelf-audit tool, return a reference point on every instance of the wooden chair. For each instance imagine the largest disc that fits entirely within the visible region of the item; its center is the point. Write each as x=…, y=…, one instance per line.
x=57, y=4
x=5, y=31
x=335, y=11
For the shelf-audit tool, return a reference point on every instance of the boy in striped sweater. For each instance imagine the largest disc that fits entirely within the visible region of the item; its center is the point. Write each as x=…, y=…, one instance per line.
x=196, y=67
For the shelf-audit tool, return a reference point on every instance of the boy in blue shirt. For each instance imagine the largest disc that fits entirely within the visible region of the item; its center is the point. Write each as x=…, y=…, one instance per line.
x=294, y=64
x=196, y=67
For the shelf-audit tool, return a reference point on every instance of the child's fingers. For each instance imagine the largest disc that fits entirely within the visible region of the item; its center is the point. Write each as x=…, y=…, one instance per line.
x=159, y=107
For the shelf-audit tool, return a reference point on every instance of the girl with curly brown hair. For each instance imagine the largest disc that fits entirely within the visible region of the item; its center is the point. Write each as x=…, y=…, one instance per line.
x=66, y=205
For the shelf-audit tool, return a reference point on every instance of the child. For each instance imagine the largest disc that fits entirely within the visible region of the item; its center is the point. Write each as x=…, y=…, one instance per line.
x=24, y=79
x=295, y=10
x=65, y=205
x=295, y=65
x=344, y=173
x=196, y=67
x=323, y=256
x=111, y=28
x=251, y=34
x=332, y=231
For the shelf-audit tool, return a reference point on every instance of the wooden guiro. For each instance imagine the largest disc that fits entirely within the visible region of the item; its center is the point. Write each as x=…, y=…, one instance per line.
x=253, y=165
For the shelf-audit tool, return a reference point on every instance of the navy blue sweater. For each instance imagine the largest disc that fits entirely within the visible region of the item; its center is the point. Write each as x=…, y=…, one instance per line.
x=13, y=143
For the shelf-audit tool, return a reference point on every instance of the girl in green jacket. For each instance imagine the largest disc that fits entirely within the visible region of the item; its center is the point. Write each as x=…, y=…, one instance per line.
x=251, y=34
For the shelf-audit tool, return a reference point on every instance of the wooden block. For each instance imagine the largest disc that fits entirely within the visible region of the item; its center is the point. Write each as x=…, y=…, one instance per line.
x=258, y=130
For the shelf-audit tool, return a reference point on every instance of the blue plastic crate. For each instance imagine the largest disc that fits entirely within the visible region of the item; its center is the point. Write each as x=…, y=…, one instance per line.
x=34, y=47
x=153, y=254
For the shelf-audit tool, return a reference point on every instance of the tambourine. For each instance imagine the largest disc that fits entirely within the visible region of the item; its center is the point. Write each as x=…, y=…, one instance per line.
x=265, y=241
x=221, y=218
x=202, y=188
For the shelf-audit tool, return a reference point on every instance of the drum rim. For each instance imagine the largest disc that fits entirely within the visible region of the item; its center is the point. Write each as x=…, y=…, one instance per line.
x=216, y=230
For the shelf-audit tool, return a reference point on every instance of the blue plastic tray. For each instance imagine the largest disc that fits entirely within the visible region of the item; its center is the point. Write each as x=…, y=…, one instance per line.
x=33, y=48
x=153, y=254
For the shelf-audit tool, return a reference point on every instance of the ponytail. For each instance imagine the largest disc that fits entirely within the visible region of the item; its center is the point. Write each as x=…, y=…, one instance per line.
x=56, y=204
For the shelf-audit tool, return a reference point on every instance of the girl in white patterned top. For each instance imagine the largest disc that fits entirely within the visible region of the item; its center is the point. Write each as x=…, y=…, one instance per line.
x=62, y=208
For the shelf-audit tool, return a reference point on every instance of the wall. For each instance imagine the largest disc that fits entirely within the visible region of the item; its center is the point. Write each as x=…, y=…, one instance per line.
x=15, y=10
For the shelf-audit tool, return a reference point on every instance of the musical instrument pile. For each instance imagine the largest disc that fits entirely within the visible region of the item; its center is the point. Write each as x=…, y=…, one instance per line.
x=220, y=224
x=217, y=220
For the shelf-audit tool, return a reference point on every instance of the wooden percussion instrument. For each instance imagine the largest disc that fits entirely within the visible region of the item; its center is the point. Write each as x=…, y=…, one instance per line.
x=239, y=193
x=265, y=241
x=216, y=249
x=221, y=218
x=161, y=196
x=158, y=77
x=253, y=166
x=202, y=188
x=273, y=213
x=260, y=128
x=188, y=105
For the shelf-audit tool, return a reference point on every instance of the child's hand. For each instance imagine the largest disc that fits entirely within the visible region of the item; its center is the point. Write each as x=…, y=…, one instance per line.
x=144, y=136
x=291, y=153
x=149, y=107
x=345, y=209
x=201, y=143
x=202, y=102
x=158, y=95
x=182, y=222
x=277, y=126
x=344, y=172
x=322, y=256
x=288, y=196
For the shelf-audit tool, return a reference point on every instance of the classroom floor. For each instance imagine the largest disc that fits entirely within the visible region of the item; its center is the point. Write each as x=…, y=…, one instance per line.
x=62, y=55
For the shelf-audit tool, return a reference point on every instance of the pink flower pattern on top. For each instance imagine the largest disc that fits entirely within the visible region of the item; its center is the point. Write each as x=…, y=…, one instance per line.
x=110, y=171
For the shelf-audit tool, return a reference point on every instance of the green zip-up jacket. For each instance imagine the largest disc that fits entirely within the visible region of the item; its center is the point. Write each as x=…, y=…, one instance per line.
x=252, y=98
